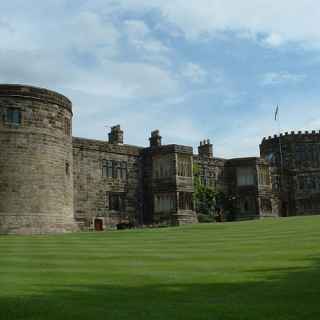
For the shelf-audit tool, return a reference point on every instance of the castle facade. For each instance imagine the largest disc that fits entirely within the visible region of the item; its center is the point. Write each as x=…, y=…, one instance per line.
x=52, y=182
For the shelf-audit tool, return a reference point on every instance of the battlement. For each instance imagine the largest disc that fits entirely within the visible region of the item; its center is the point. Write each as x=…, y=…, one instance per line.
x=292, y=134
x=30, y=92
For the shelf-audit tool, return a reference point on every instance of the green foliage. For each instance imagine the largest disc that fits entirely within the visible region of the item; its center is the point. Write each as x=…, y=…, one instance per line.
x=207, y=199
x=205, y=218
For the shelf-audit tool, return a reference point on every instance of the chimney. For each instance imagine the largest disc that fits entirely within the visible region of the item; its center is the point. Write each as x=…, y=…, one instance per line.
x=155, y=139
x=116, y=135
x=205, y=150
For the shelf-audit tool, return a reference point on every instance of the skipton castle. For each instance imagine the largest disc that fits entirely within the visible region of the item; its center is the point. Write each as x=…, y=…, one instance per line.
x=52, y=182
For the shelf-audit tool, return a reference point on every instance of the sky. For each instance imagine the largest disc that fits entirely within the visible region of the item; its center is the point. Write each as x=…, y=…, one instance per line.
x=195, y=70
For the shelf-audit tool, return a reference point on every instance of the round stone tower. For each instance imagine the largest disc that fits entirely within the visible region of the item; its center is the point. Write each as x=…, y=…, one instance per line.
x=36, y=179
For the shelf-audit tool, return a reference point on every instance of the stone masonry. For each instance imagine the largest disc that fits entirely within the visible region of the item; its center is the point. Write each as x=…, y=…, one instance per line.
x=36, y=165
x=52, y=182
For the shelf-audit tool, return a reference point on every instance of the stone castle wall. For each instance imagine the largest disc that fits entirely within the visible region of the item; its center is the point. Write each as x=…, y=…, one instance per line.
x=295, y=171
x=36, y=181
x=51, y=182
x=94, y=187
x=168, y=185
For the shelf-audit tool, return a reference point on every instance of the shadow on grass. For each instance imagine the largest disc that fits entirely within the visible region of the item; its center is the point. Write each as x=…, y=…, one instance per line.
x=293, y=294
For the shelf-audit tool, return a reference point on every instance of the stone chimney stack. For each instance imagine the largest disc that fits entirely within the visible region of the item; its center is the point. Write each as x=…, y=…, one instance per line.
x=205, y=150
x=155, y=139
x=116, y=135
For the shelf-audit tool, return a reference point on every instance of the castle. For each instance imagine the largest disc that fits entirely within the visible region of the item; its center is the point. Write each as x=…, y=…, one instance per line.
x=52, y=182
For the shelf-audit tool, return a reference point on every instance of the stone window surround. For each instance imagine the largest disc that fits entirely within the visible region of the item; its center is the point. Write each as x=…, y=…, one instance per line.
x=164, y=202
x=67, y=126
x=13, y=116
x=113, y=169
x=116, y=201
x=185, y=201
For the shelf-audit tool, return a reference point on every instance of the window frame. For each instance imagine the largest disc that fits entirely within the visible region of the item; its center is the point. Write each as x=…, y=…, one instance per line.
x=116, y=201
x=13, y=114
x=114, y=169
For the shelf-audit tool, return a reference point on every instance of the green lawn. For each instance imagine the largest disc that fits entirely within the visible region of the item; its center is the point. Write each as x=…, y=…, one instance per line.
x=251, y=270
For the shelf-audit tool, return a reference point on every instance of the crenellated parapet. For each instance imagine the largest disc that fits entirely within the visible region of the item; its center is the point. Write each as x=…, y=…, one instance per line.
x=297, y=134
x=288, y=142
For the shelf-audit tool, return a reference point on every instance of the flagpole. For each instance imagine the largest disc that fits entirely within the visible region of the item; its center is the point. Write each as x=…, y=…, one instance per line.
x=277, y=119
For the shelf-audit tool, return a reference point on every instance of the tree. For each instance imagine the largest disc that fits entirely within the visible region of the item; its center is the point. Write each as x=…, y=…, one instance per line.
x=206, y=198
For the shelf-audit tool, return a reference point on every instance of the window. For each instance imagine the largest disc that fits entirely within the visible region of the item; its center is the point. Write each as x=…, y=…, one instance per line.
x=264, y=177
x=184, y=166
x=123, y=170
x=245, y=176
x=308, y=204
x=13, y=116
x=162, y=167
x=299, y=153
x=309, y=183
x=301, y=182
x=165, y=202
x=114, y=169
x=266, y=205
x=67, y=168
x=116, y=201
x=104, y=168
x=67, y=126
x=185, y=201
x=247, y=204
x=207, y=177
x=107, y=168
x=308, y=154
x=276, y=183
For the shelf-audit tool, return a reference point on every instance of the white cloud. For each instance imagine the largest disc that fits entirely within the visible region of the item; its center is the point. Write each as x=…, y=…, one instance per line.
x=136, y=29
x=90, y=33
x=82, y=52
x=142, y=39
x=274, y=40
x=194, y=73
x=278, y=78
x=125, y=70
x=127, y=80
x=281, y=21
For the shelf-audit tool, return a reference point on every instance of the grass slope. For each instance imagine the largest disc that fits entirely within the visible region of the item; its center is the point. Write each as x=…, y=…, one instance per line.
x=252, y=270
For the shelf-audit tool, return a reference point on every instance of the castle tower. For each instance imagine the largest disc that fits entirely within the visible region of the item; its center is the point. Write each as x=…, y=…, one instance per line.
x=294, y=160
x=36, y=166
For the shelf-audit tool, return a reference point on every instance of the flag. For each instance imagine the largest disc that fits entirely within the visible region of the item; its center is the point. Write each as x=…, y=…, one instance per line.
x=276, y=114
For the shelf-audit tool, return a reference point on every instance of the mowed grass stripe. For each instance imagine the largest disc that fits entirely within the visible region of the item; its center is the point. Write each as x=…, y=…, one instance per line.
x=267, y=269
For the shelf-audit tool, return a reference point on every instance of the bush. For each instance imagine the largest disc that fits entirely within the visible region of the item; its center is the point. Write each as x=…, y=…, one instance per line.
x=204, y=218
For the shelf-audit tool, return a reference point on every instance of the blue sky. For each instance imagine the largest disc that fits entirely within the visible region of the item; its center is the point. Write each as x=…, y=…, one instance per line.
x=193, y=69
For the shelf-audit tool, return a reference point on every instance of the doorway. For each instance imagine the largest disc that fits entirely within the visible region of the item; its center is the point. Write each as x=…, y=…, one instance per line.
x=284, y=209
x=98, y=225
